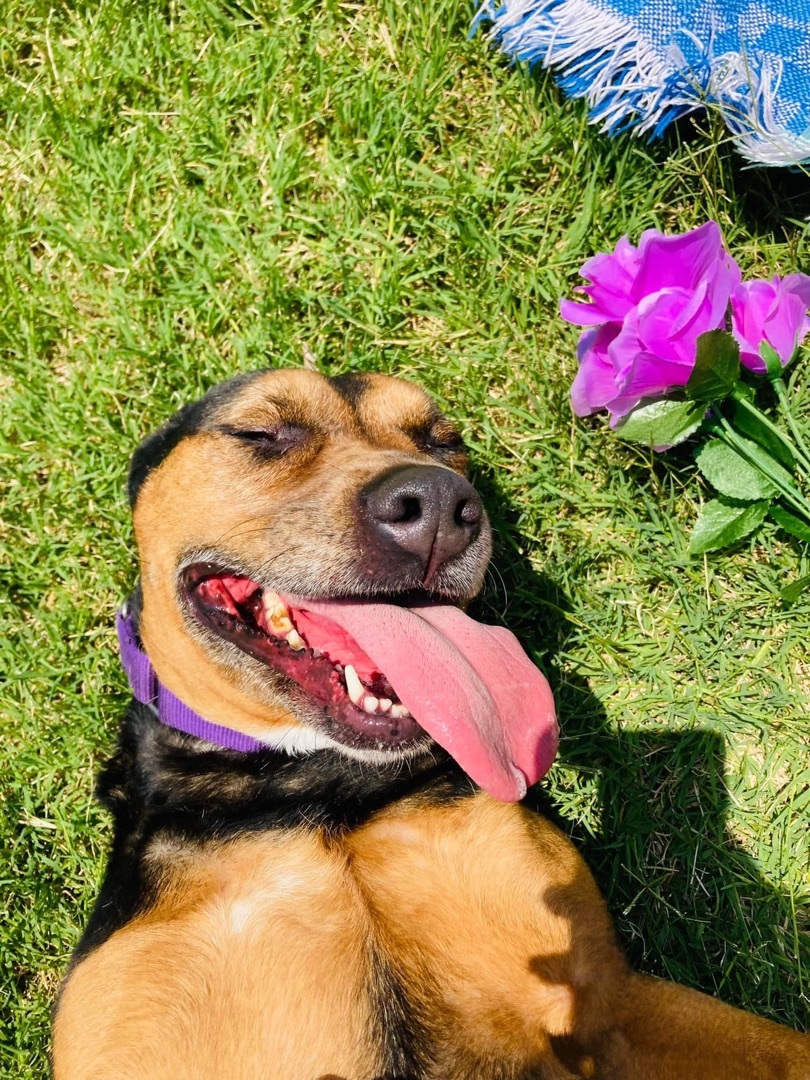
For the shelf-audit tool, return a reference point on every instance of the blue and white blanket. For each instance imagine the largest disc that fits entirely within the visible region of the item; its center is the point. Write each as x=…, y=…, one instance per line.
x=642, y=63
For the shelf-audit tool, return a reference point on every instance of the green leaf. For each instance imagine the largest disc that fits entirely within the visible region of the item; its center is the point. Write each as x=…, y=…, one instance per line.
x=790, y=523
x=663, y=423
x=773, y=365
x=748, y=424
x=731, y=474
x=721, y=523
x=717, y=367
x=791, y=593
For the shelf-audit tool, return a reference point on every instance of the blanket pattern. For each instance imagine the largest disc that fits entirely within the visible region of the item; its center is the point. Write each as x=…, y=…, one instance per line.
x=640, y=64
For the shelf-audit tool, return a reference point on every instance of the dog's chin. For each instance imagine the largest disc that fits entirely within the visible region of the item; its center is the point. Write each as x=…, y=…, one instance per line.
x=332, y=689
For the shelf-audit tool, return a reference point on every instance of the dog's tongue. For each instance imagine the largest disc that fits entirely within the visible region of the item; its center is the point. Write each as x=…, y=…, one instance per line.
x=470, y=686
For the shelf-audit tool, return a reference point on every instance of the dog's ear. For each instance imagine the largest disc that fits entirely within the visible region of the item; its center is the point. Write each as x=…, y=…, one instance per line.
x=156, y=447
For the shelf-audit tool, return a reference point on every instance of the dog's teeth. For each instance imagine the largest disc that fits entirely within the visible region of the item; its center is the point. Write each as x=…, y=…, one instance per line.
x=271, y=602
x=276, y=613
x=399, y=711
x=353, y=685
x=295, y=641
x=385, y=704
x=370, y=704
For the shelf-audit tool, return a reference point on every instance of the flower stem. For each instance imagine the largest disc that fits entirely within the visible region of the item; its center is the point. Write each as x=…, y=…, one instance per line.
x=788, y=492
x=781, y=393
x=794, y=451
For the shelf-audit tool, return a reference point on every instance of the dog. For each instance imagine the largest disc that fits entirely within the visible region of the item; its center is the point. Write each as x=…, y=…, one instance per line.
x=321, y=866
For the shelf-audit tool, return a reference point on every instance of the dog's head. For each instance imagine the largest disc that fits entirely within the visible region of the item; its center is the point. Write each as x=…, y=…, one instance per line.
x=306, y=546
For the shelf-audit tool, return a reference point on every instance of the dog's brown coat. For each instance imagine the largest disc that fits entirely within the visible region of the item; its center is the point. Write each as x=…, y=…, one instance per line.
x=259, y=956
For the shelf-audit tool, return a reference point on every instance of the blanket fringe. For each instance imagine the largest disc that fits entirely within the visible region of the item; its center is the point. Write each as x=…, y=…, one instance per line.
x=630, y=84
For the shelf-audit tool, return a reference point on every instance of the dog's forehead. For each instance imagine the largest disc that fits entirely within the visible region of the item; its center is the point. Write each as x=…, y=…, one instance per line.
x=376, y=402
x=382, y=401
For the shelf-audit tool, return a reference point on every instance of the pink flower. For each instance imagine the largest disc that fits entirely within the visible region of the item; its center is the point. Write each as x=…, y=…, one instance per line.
x=773, y=311
x=649, y=306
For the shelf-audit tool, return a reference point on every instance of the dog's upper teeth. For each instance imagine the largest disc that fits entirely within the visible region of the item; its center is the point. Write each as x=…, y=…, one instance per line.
x=272, y=602
x=276, y=613
x=295, y=641
x=370, y=704
x=353, y=685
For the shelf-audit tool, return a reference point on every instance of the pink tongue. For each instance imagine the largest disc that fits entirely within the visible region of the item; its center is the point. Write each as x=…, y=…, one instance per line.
x=470, y=686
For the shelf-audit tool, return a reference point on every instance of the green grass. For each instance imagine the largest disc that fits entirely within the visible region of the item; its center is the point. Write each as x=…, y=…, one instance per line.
x=190, y=189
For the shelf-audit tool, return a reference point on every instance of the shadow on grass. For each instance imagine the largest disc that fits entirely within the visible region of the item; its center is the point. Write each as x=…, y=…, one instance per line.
x=689, y=904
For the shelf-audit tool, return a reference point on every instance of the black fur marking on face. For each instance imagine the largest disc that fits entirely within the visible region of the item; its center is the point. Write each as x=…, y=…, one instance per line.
x=192, y=418
x=351, y=386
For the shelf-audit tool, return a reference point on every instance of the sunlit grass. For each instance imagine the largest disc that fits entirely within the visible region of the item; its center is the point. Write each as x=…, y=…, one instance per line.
x=192, y=189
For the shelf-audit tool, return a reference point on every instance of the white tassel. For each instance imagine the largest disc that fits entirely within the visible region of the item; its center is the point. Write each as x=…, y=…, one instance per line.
x=629, y=82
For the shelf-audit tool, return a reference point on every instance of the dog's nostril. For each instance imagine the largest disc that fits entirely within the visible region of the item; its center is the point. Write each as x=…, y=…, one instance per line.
x=411, y=510
x=468, y=513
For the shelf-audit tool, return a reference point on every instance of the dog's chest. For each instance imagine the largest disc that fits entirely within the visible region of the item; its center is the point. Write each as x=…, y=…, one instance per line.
x=421, y=945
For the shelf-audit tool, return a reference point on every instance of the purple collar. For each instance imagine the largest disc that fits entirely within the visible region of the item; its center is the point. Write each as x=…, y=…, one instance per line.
x=170, y=710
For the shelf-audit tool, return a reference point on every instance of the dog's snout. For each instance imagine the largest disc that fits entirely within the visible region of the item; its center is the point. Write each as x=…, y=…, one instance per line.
x=424, y=510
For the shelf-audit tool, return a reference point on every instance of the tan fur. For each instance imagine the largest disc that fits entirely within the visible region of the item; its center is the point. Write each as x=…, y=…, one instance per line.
x=257, y=960
x=497, y=924
x=299, y=507
x=259, y=951
x=256, y=953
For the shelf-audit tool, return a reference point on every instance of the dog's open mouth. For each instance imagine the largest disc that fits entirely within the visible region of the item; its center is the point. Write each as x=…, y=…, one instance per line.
x=314, y=652
x=385, y=673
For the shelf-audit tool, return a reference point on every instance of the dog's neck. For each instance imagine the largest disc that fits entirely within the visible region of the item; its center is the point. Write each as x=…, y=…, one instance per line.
x=228, y=777
x=168, y=708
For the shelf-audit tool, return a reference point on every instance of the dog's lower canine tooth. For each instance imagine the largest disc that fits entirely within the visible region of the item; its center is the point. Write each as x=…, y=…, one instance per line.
x=353, y=685
x=295, y=641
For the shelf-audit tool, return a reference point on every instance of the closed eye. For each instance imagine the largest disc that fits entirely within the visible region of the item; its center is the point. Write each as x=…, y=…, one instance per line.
x=272, y=441
x=440, y=439
x=452, y=441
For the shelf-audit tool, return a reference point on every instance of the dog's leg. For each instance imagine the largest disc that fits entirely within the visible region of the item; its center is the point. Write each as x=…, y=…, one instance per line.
x=669, y=1032
x=499, y=928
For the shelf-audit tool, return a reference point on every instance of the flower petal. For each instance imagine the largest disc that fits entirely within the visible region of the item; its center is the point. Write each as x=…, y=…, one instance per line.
x=798, y=284
x=582, y=314
x=680, y=261
x=594, y=384
x=783, y=323
x=751, y=302
x=667, y=322
x=775, y=311
x=611, y=276
x=648, y=376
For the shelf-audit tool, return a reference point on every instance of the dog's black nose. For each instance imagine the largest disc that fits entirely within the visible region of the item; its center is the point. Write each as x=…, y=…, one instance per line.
x=429, y=512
